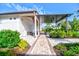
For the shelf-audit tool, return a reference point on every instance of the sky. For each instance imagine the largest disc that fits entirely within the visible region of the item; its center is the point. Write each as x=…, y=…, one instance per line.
x=42, y=8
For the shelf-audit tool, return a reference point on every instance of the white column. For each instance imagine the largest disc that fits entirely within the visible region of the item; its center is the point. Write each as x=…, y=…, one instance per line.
x=35, y=26
x=38, y=27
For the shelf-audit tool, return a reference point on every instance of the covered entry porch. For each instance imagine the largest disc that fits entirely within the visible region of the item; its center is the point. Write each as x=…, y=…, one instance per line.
x=29, y=25
x=53, y=19
x=34, y=23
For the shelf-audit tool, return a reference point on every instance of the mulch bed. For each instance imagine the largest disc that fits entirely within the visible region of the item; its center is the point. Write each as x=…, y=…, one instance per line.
x=58, y=53
x=16, y=51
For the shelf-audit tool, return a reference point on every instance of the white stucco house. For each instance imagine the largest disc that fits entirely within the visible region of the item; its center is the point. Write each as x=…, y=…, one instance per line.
x=28, y=23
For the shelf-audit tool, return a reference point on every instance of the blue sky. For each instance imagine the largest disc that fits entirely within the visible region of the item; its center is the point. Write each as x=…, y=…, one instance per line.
x=41, y=7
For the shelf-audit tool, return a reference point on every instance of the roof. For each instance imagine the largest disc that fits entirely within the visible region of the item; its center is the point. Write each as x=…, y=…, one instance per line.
x=31, y=11
x=64, y=15
x=68, y=14
x=18, y=12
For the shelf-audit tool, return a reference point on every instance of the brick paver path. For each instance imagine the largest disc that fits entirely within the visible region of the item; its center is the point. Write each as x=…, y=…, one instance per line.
x=41, y=47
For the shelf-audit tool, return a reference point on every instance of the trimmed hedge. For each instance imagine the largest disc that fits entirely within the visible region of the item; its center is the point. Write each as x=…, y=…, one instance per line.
x=9, y=38
x=63, y=34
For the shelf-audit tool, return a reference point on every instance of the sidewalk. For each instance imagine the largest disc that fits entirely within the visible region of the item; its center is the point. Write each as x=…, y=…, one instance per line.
x=41, y=47
x=55, y=41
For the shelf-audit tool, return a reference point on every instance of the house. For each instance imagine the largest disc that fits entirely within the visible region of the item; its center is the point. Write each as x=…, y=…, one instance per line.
x=28, y=22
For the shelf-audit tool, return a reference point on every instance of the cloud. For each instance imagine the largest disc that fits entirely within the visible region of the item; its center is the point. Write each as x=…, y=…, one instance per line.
x=39, y=9
x=8, y=5
x=18, y=7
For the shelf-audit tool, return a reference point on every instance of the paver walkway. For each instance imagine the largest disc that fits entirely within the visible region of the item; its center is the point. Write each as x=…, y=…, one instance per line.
x=41, y=47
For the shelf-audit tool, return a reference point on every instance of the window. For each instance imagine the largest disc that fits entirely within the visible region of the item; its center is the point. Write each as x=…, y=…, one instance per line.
x=10, y=18
x=14, y=18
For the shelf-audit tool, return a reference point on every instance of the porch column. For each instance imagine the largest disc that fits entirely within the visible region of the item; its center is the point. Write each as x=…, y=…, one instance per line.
x=66, y=24
x=35, y=25
x=56, y=21
x=38, y=27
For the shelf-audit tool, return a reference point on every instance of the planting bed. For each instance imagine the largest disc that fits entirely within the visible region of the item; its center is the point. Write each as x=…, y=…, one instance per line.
x=67, y=49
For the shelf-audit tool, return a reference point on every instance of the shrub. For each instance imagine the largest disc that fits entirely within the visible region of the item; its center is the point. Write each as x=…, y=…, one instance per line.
x=61, y=33
x=69, y=34
x=53, y=34
x=48, y=29
x=23, y=44
x=72, y=51
x=69, y=53
x=57, y=34
x=75, y=49
x=9, y=38
x=76, y=34
x=68, y=49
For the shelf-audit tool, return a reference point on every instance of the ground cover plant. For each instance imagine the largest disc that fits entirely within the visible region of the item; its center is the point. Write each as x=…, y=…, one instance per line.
x=67, y=49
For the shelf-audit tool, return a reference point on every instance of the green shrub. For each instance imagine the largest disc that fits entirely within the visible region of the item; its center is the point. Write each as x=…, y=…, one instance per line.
x=69, y=53
x=61, y=34
x=69, y=45
x=75, y=49
x=53, y=34
x=69, y=34
x=48, y=29
x=72, y=49
x=23, y=44
x=76, y=34
x=57, y=34
x=9, y=38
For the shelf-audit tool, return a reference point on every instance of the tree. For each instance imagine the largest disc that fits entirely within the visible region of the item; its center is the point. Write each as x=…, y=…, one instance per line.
x=75, y=24
x=63, y=25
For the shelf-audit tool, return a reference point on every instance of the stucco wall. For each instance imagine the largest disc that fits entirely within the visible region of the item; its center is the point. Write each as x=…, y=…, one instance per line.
x=26, y=25
x=22, y=25
x=7, y=23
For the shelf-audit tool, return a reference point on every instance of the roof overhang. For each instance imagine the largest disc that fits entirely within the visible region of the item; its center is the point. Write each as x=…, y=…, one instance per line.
x=18, y=12
x=64, y=15
x=24, y=13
